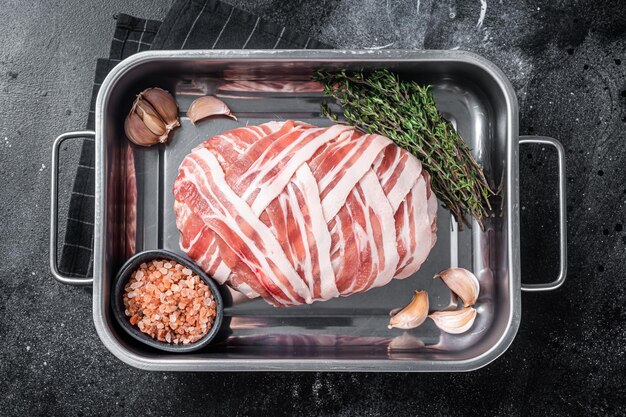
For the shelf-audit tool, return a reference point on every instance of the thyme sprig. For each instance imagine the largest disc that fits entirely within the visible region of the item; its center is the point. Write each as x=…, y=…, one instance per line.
x=405, y=112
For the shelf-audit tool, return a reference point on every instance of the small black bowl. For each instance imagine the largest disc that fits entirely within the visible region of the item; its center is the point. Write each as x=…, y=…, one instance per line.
x=117, y=301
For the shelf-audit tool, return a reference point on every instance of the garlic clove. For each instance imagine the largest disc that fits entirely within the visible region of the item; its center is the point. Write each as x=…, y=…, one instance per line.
x=454, y=322
x=151, y=118
x=413, y=314
x=463, y=283
x=137, y=131
x=164, y=104
x=207, y=106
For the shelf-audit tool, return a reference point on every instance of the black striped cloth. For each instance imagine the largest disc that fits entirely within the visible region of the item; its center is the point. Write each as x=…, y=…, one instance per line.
x=189, y=24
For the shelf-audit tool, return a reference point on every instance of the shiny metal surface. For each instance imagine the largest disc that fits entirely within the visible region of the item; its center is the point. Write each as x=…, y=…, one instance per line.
x=54, y=204
x=347, y=334
x=562, y=215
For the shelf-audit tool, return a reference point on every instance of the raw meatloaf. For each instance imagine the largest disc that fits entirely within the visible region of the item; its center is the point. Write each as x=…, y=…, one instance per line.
x=296, y=213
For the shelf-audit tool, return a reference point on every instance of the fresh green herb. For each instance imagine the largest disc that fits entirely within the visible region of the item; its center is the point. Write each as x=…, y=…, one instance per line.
x=405, y=112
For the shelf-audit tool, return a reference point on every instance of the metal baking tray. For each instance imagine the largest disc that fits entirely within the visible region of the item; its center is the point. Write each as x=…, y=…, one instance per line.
x=134, y=212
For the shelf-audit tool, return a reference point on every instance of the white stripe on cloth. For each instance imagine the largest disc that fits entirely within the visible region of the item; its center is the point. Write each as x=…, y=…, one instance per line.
x=82, y=194
x=193, y=25
x=79, y=221
x=250, y=36
x=140, y=42
x=279, y=38
x=223, y=27
x=145, y=25
x=90, y=266
x=74, y=245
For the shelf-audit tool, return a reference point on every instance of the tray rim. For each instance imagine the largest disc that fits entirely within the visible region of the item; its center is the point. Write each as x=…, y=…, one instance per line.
x=299, y=364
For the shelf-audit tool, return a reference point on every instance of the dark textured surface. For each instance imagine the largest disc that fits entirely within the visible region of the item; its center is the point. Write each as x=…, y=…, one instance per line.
x=568, y=66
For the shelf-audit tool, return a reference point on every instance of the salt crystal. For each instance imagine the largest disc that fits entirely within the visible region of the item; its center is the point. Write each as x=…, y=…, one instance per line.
x=131, y=294
x=187, y=271
x=167, y=265
x=173, y=318
x=163, y=271
x=175, y=288
x=168, y=337
x=143, y=266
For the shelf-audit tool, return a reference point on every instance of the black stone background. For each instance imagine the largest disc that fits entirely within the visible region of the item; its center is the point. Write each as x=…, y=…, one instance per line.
x=567, y=62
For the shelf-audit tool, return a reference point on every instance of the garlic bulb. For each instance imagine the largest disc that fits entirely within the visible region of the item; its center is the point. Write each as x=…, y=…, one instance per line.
x=461, y=282
x=454, y=322
x=413, y=314
x=153, y=116
x=208, y=106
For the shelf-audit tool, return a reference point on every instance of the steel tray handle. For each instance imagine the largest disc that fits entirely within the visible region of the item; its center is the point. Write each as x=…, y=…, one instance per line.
x=54, y=207
x=562, y=215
